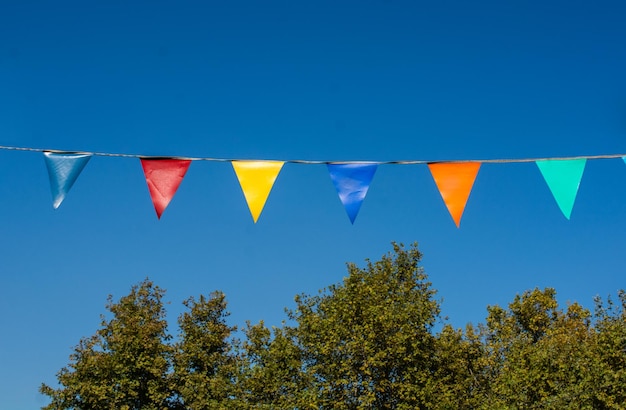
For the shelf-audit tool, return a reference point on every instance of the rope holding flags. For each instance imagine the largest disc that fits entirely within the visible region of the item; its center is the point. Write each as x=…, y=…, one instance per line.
x=351, y=179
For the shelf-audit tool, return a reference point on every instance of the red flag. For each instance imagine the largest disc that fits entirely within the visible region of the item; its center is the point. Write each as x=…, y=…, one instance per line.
x=163, y=177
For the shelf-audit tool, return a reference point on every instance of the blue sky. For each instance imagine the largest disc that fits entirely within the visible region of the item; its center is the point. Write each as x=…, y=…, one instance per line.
x=323, y=80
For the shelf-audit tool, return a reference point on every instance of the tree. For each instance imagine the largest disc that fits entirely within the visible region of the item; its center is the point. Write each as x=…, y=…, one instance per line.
x=366, y=343
x=539, y=356
x=457, y=381
x=271, y=370
x=125, y=364
x=204, y=365
x=609, y=349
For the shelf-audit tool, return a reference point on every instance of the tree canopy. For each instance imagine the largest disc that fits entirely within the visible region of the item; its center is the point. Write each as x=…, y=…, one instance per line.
x=368, y=342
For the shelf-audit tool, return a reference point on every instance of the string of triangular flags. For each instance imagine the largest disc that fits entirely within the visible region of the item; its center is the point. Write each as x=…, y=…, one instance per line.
x=351, y=179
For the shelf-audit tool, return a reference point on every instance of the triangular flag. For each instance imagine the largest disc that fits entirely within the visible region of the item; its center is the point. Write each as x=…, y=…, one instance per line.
x=163, y=177
x=63, y=170
x=352, y=182
x=563, y=178
x=455, y=181
x=256, y=179
x=624, y=158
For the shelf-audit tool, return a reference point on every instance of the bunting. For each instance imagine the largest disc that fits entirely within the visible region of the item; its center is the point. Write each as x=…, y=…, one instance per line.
x=63, y=170
x=352, y=182
x=351, y=179
x=163, y=177
x=455, y=182
x=563, y=179
x=256, y=179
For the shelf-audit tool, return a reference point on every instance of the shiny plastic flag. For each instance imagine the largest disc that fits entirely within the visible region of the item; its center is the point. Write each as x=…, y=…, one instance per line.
x=624, y=158
x=563, y=178
x=63, y=170
x=163, y=177
x=256, y=179
x=352, y=182
x=455, y=181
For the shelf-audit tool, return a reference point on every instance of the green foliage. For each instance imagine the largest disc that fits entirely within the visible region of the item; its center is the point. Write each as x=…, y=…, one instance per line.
x=204, y=366
x=539, y=356
x=271, y=370
x=125, y=364
x=610, y=353
x=458, y=380
x=365, y=343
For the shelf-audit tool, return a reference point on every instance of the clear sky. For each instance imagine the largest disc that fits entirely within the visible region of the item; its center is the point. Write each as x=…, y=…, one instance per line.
x=319, y=80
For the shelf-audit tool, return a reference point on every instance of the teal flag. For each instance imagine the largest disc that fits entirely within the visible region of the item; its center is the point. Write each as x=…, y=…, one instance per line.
x=563, y=178
x=624, y=158
x=63, y=170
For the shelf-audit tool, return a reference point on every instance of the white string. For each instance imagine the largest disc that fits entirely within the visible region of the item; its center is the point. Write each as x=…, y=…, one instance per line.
x=302, y=161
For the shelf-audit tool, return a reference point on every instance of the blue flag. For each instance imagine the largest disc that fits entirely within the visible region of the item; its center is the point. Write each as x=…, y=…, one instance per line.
x=63, y=169
x=352, y=182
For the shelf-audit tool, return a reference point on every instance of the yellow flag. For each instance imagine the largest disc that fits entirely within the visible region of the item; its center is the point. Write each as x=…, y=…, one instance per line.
x=256, y=179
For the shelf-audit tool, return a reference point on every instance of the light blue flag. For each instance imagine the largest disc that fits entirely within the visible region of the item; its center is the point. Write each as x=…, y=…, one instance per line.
x=624, y=158
x=63, y=169
x=563, y=179
x=352, y=182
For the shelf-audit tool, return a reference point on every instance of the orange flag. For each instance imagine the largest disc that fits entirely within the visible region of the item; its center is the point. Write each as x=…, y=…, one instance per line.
x=455, y=181
x=163, y=177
